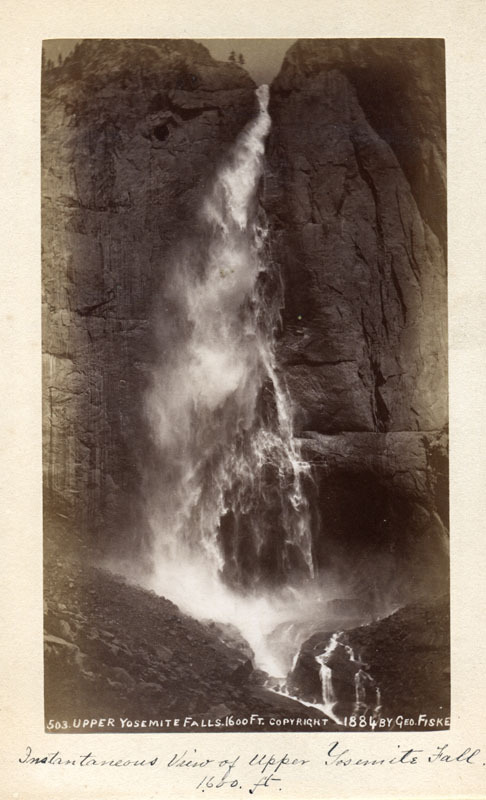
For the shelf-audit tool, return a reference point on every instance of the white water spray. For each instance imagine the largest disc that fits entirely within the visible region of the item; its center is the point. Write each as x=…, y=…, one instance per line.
x=329, y=698
x=230, y=508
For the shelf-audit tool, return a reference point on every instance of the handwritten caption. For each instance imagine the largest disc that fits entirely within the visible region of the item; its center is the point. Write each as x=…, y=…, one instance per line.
x=262, y=770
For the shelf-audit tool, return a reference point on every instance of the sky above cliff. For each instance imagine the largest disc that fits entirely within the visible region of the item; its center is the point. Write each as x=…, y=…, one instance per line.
x=263, y=57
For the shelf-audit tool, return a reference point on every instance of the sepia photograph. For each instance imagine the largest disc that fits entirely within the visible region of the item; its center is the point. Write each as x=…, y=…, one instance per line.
x=245, y=386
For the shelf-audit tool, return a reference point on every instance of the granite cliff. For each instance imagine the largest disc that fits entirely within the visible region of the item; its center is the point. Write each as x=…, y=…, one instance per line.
x=355, y=199
x=131, y=131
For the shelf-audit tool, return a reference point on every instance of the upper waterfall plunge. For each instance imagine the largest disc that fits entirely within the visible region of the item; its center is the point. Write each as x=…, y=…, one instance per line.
x=228, y=496
x=229, y=510
x=232, y=493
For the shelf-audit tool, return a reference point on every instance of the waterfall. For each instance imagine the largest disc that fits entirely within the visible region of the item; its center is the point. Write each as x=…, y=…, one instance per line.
x=360, y=689
x=328, y=693
x=228, y=510
x=367, y=693
x=329, y=698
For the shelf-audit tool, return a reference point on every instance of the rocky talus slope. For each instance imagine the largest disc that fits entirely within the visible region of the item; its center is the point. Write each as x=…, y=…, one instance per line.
x=116, y=651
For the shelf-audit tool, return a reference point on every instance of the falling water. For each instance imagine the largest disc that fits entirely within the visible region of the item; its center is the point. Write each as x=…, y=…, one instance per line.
x=329, y=698
x=367, y=693
x=229, y=515
x=360, y=689
x=367, y=696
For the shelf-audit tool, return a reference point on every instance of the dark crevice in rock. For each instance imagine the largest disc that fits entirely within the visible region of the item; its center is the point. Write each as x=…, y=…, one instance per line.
x=398, y=289
x=368, y=180
x=408, y=242
x=308, y=360
x=383, y=304
x=190, y=112
x=382, y=413
x=368, y=342
x=438, y=473
x=161, y=132
x=89, y=310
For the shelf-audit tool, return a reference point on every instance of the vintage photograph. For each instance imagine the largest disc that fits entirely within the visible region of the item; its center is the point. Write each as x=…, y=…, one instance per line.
x=245, y=392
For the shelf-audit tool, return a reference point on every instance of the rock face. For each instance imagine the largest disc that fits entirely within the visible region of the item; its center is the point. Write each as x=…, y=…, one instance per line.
x=131, y=133
x=381, y=499
x=354, y=196
x=365, y=311
x=356, y=200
